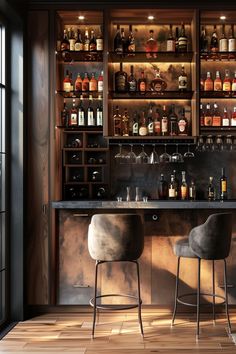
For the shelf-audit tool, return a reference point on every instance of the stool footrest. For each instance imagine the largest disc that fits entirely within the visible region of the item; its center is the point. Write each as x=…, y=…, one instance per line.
x=116, y=307
x=195, y=294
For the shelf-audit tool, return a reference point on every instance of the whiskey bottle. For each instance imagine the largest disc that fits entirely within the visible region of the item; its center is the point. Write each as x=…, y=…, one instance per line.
x=64, y=115
x=73, y=117
x=223, y=45
x=225, y=118
x=182, y=124
x=157, y=123
x=232, y=40
x=78, y=83
x=65, y=44
x=183, y=80
x=99, y=41
x=214, y=46
x=92, y=42
x=203, y=41
x=223, y=185
x=121, y=80
x=71, y=39
x=184, y=187
x=150, y=127
x=162, y=188
x=81, y=113
x=183, y=40
x=99, y=115
x=100, y=82
x=85, y=83
x=158, y=84
x=132, y=82
x=218, y=82
x=164, y=122
x=118, y=43
x=216, y=118
x=143, y=131
x=177, y=184
x=211, y=190
x=208, y=116
x=135, y=124
x=172, y=188
x=192, y=191
x=233, y=88
x=170, y=44
x=67, y=82
x=173, y=121
x=151, y=46
x=125, y=123
x=93, y=84
x=233, y=118
x=208, y=84
x=130, y=45
x=227, y=83
x=79, y=43
x=86, y=40
x=117, y=122
x=142, y=83
x=202, y=114
x=90, y=114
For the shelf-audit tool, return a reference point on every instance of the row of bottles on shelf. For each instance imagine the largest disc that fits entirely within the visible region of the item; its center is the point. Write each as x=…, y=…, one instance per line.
x=212, y=116
x=187, y=191
x=74, y=40
x=127, y=44
x=226, y=43
x=159, y=122
x=125, y=83
x=79, y=116
x=227, y=85
x=83, y=82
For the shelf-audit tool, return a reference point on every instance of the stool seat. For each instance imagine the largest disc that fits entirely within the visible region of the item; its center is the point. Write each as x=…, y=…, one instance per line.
x=182, y=249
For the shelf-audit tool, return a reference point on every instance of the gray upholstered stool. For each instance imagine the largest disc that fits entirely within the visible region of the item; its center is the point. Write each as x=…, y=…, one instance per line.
x=209, y=241
x=116, y=238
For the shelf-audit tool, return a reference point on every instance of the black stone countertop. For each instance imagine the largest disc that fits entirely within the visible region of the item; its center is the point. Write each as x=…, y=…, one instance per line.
x=152, y=204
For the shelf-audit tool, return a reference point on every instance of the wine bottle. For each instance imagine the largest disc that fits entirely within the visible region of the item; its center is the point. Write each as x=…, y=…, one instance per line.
x=121, y=80
x=223, y=185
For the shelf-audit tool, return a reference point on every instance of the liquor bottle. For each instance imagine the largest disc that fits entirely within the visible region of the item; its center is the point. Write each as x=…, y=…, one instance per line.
x=151, y=46
x=164, y=122
x=158, y=84
x=117, y=122
x=118, y=43
x=85, y=83
x=86, y=40
x=173, y=121
x=78, y=83
x=223, y=185
x=216, y=117
x=71, y=83
x=177, y=184
x=183, y=40
x=227, y=83
x=192, y=191
x=73, y=117
x=183, y=80
x=130, y=45
x=214, y=46
x=132, y=82
x=100, y=82
x=125, y=123
x=71, y=38
x=81, y=113
x=143, y=125
x=135, y=125
x=202, y=114
x=170, y=44
x=208, y=84
x=218, y=82
x=203, y=41
x=233, y=88
x=233, y=118
x=142, y=83
x=172, y=188
x=177, y=39
x=99, y=115
x=93, y=84
x=99, y=41
x=123, y=41
x=225, y=118
x=182, y=124
x=184, y=187
x=90, y=114
x=157, y=123
x=232, y=40
x=67, y=82
x=64, y=116
x=162, y=188
x=208, y=116
x=223, y=45
x=65, y=44
x=92, y=42
x=150, y=127
x=211, y=190
x=79, y=43
x=121, y=80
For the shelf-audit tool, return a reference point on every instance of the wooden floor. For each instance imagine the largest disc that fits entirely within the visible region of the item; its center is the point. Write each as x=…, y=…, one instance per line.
x=118, y=333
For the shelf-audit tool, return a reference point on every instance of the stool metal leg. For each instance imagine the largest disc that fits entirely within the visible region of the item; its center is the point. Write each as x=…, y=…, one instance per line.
x=226, y=297
x=95, y=298
x=213, y=291
x=139, y=301
x=198, y=296
x=176, y=292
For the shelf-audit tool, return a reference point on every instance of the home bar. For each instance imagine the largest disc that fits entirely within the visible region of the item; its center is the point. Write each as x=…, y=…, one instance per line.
x=125, y=155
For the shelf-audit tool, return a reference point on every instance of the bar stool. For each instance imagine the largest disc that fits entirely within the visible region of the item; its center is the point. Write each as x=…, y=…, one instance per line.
x=209, y=241
x=116, y=238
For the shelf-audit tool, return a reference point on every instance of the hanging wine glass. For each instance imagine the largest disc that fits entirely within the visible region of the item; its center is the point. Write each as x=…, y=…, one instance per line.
x=154, y=158
x=142, y=157
x=188, y=153
x=165, y=157
x=131, y=157
x=177, y=156
x=119, y=157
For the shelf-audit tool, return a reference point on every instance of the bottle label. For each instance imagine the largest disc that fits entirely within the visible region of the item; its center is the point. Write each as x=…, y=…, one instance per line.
x=225, y=122
x=100, y=86
x=81, y=118
x=92, y=46
x=207, y=121
x=67, y=86
x=234, y=86
x=79, y=46
x=182, y=43
x=223, y=45
x=72, y=44
x=86, y=47
x=223, y=186
x=99, y=42
x=233, y=122
x=182, y=125
x=132, y=86
x=216, y=121
x=121, y=83
x=135, y=128
x=208, y=86
x=184, y=192
x=142, y=86
x=90, y=118
x=170, y=45
x=232, y=44
x=143, y=131
x=99, y=118
x=78, y=85
x=85, y=86
x=157, y=127
x=150, y=128
x=217, y=85
x=172, y=193
x=73, y=119
x=227, y=86
x=131, y=47
x=182, y=82
x=164, y=125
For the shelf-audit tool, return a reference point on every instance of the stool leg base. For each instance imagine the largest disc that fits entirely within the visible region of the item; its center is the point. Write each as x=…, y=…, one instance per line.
x=139, y=301
x=226, y=297
x=95, y=298
x=176, y=293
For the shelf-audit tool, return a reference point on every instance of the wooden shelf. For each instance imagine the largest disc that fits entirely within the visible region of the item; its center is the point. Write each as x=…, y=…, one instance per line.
x=178, y=95
x=218, y=94
x=85, y=94
x=70, y=57
x=140, y=57
x=219, y=56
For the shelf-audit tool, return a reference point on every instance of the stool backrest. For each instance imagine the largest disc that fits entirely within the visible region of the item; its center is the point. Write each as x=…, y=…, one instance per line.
x=115, y=237
x=212, y=239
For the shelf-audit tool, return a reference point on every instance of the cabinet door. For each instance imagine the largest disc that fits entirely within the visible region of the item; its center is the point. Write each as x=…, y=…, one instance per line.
x=76, y=267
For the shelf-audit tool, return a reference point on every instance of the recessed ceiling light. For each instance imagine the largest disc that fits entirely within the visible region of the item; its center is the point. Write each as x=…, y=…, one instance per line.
x=222, y=17
x=81, y=17
x=150, y=17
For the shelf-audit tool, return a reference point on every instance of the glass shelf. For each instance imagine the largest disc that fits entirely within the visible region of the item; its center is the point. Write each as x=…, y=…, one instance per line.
x=80, y=128
x=79, y=56
x=173, y=57
x=152, y=95
x=218, y=94
x=160, y=140
x=219, y=56
x=226, y=130
x=84, y=94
